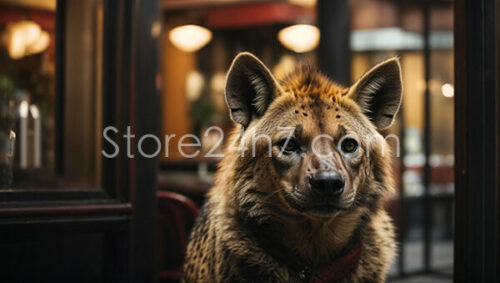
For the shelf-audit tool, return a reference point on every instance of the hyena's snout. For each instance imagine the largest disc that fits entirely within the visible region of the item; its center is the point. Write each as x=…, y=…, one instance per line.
x=329, y=184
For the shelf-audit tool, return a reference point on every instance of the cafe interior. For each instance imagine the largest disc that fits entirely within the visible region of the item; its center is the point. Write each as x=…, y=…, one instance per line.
x=80, y=79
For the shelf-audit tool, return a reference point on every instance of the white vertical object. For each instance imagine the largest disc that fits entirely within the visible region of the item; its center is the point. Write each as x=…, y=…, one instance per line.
x=37, y=119
x=23, y=135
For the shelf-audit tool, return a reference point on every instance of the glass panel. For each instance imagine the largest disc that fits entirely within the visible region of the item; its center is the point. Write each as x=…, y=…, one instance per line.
x=28, y=154
x=442, y=128
x=413, y=160
x=380, y=29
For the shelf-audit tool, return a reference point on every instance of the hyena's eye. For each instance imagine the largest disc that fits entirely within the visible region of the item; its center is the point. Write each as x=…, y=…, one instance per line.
x=349, y=145
x=288, y=145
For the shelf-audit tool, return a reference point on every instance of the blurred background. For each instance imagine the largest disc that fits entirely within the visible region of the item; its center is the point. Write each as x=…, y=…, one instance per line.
x=64, y=69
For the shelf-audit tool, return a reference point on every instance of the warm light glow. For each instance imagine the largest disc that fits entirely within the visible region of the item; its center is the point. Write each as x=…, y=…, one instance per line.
x=34, y=112
x=194, y=85
x=25, y=38
x=285, y=65
x=39, y=45
x=448, y=90
x=23, y=109
x=190, y=38
x=217, y=87
x=156, y=29
x=19, y=35
x=218, y=82
x=299, y=38
x=305, y=3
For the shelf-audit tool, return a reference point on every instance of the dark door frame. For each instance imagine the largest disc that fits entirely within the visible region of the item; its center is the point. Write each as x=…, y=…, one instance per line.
x=477, y=129
x=145, y=96
x=124, y=211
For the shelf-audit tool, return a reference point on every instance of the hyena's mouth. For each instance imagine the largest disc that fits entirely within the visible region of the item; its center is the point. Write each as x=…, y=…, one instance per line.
x=325, y=210
x=316, y=208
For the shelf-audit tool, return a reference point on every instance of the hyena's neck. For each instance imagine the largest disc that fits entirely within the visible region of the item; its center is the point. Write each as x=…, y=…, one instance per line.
x=321, y=240
x=316, y=241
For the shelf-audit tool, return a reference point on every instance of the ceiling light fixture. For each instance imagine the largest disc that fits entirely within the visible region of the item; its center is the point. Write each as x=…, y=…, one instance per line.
x=190, y=38
x=305, y=3
x=25, y=38
x=299, y=38
x=448, y=90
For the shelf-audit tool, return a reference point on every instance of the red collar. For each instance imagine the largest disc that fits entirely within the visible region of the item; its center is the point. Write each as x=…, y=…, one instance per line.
x=337, y=269
x=344, y=264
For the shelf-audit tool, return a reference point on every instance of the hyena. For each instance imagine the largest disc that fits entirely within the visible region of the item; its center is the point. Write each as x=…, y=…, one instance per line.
x=304, y=204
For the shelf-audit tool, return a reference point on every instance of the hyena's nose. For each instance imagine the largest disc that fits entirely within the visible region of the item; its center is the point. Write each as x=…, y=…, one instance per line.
x=327, y=183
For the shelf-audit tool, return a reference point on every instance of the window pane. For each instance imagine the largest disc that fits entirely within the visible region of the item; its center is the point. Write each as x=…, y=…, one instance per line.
x=441, y=87
x=29, y=129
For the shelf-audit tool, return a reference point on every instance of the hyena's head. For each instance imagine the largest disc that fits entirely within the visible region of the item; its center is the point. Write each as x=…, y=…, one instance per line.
x=310, y=142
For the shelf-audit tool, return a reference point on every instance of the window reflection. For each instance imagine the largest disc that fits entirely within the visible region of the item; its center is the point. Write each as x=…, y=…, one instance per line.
x=28, y=98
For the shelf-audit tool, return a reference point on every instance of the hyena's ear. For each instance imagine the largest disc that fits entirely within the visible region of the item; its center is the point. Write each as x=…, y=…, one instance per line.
x=379, y=92
x=250, y=88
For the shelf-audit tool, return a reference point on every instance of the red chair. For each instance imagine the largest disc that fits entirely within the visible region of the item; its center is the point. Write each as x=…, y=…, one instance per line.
x=176, y=216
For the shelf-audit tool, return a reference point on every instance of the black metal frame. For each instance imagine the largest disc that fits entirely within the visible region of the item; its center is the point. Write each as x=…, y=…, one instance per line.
x=59, y=85
x=334, y=49
x=477, y=142
x=144, y=109
x=427, y=136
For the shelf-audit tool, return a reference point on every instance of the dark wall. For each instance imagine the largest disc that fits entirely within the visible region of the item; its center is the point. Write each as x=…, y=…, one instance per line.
x=52, y=258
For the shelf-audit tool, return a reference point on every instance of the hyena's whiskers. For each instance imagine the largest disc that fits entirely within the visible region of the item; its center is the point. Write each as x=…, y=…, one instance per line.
x=256, y=192
x=271, y=194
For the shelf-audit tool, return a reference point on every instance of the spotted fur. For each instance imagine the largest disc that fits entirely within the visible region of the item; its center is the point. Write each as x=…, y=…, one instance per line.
x=254, y=201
